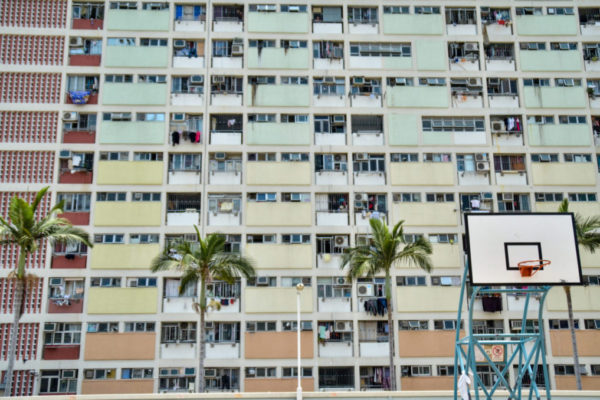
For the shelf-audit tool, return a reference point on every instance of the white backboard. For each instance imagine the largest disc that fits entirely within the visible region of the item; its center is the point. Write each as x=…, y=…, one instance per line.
x=496, y=243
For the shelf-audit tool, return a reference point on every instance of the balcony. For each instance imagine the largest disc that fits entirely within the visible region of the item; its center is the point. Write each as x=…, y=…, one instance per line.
x=369, y=178
x=228, y=62
x=130, y=173
x=183, y=305
x=511, y=177
x=188, y=99
x=141, y=94
x=228, y=18
x=123, y=256
x=422, y=173
x=85, y=23
x=280, y=256
x=278, y=384
x=278, y=214
x=330, y=139
x=415, y=299
x=70, y=261
x=278, y=22
x=132, y=132
x=278, y=300
x=276, y=345
x=134, y=300
x=369, y=349
x=558, y=135
x=368, y=138
x=79, y=136
x=327, y=177
x=413, y=24
x=567, y=174
x=278, y=173
x=331, y=218
x=222, y=351
x=329, y=261
x=278, y=58
x=196, y=62
x=76, y=176
x=61, y=352
x=119, y=346
x=190, y=23
x=278, y=96
x=278, y=133
x=117, y=386
x=138, y=20
x=359, y=100
x=136, y=57
x=554, y=97
x=546, y=25
x=127, y=213
x=363, y=218
x=225, y=218
x=227, y=99
x=551, y=60
x=425, y=214
x=418, y=97
x=85, y=60
x=183, y=218
x=502, y=100
x=178, y=350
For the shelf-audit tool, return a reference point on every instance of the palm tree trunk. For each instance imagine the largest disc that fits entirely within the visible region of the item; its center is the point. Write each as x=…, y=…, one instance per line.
x=14, y=329
x=573, y=337
x=202, y=345
x=388, y=297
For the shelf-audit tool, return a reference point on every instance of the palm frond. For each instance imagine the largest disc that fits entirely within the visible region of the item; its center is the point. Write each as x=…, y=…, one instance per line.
x=227, y=267
x=190, y=275
x=38, y=198
x=564, y=206
x=163, y=262
x=588, y=232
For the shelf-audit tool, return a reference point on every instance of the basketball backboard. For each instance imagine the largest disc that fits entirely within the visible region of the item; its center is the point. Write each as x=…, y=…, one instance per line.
x=496, y=243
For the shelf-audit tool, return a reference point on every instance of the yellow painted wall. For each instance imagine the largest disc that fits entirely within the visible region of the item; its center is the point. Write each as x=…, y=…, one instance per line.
x=123, y=256
x=446, y=255
x=276, y=300
x=426, y=173
x=127, y=213
x=280, y=256
x=122, y=300
x=589, y=260
x=278, y=173
x=425, y=214
x=587, y=209
x=130, y=173
x=427, y=299
x=278, y=214
x=574, y=174
x=584, y=298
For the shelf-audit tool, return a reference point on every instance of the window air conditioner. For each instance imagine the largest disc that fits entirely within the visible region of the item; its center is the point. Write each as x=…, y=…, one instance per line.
x=343, y=326
x=337, y=157
x=498, y=126
x=76, y=42
x=56, y=281
x=220, y=156
x=70, y=116
x=361, y=197
x=262, y=281
x=339, y=119
x=218, y=79
x=341, y=241
x=474, y=46
x=197, y=79
x=474, y=82
x=365, y=289
x=178, y=117
x=328, y=79
x=179, y=44
x=49, y=327
x=480, y=157
x=483, y=166
x=119, y=116
x=358, y=80
x=209, y=324
x=237, y=49
x=340, y=280
x=65, y=154
x=362, y=156
x=210, y=372
x=508, y=197
x=494, y=81
x=68, y=373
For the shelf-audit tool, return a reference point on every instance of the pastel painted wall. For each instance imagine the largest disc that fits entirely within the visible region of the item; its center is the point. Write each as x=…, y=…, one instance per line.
x=277, y=133
x=278, y=214
x=123, y=256
x=276, y=300
x=413, y=24
x=278, y=58
x=280, y=256
x=425, y=214
x=130, y=173
x=132, y=132
x=422, y=173
x=418, y=96
x=127, y=213
x=278, y=173
x=136, y=300
x=278, y=22
x=142, y=94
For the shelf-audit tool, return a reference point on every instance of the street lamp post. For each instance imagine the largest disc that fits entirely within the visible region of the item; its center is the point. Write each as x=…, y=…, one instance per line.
x=299, y=288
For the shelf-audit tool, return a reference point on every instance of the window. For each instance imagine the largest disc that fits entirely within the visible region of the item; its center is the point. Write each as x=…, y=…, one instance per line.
x=413, y=325
x=105, y=282
x=294, y=44
x=108, y=238
x=432, y=82
x=139, y=326
x=595, y=369
x=292, y=326
x=223, y=332
x=362, y=15
x=150, y=117
x=416, y=370
x=85, y=122
x=536, y=82
x=437, y=157
x=328, y=50
x=75, y=202
x=261, y=326
x=224, y=289
x=147, y=156
x=443, y=238
x=404, y=157
x=293, y=8
x=410, y=281
x=63, y=333
x=445, y=370
x=572, y=119
x=145, y=196
x=532, y=46
x=330, y=123
x=395, y=10
x=540, y=119
x=380, y=49
x=123, y=5
x=563, y=46
x=591, y=279
x=578, y=158
x=582, y=197
x=262, y=372
x=137, y=373
x=152, y=78
x=261, y=117
x=294, y=118
x=294, y=80
x=153, y=42
x=445, y=324
x=406, y=197
x=329, y=87
x=118, y=78
x=114, y=155
x=567, y=82
x=544, y=157
x=336, y=287
x=288, y=372
x=529, y=10
x=260, y=197
x=261, y=43
x=445, y=281
x=412, y=237
x=175, y=332
x=127, y=41
x=172, y=288
x=439, y=197
x=460, y=16
x=141, y=282
x=513, y=202
x=261, y=157
x=427, y=10
x=559, y=11
x=364, y=162
x=268, y=281
x=176, y=379
x=331, y=244
x=100, y=373
x=111, y=196
x=185, y=162
x=58, y=381
x=88, y=10
x=294, y=156
x=561, y=369
x=260, y=238
x=561, y=324
x=295, y=197
x=293, y=281
x=295, y=239
x=502, y=86
x=455, y=124
x=548, y=197
x=509, y=162
x=102, y=327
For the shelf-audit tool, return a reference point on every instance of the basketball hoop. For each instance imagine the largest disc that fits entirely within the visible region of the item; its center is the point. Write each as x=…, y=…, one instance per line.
x=530, y=267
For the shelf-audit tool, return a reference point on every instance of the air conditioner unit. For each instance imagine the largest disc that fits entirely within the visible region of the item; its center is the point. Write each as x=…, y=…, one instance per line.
x=365, y=289
x=262, y=281
x=197, y=79
x=218, y=79
x=179, y=44
x=341, y=241
x=220, y=156
x=337, y=157
x=361, y=197
x=65, y=154
x=481, y=157
x=210, y=372
x=89, y=374
x=400, y=81
x=474, y=82
x=362, y=156
x=487, y=196
x=70, y=116
x=132, y=283
x=582, y=370
x=516, y=324
x=237, y=49
x=329, y=79
x=339, y=119
x=498, y=126
x=68, y=373
x=306, y=325
x=209, y=324
x=358, y=80
x=474, y=46
x=76, y=42
x=340, y=280
x=482, y=166
x=49, y=327
x=119, y=116
x=494, y=81
x=178, y=117
x=343, y=326
x=508, y=197
x=56, y=281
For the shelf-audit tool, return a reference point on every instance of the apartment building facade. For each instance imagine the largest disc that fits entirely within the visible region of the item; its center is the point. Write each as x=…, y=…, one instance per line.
x=286, y=127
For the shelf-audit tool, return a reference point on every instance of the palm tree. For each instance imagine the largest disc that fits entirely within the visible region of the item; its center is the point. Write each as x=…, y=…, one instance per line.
x=204, y=260
x=386, y=250
x=23, y=230
x=587, y=231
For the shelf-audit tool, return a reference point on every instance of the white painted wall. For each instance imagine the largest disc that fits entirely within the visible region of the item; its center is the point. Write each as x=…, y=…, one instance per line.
x=367, y=139
x=359, y=220
x=330, y=139
x=337, y=304
x=464, y=65
x=178, y=351
x=225, y=178
x=178, y=304
x=329, y=261
x=508, y=140
x=467, y=101
x=374, y=349
x=324, y=27
x=224, y=219
x=335, y=349
x=498, y=30
x=511, y=179
x=329, y=101
x=226, y=138
x=503, y=101
x=332, y=219
x=328, y=63
x=473, y=178
x=366, y=101
x=461, y=29
x=331, y=177
x=188, y=62
x=222, y=351
x=227, y=62
x=184, y=178
x=187, y=99
x=590, y=29
x=500, y=65
x=363, y=29
x=469, y=137
x=369, y=178
x=593, y=66
x=228, y=26
x=189, y=26
x=223, y=99
x=183, y=218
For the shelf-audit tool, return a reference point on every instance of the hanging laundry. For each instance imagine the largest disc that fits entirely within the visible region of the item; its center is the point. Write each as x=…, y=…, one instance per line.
x=175, y=138
x=198, y=136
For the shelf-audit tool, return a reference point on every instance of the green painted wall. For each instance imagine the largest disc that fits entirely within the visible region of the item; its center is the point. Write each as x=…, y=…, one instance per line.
x=542, y=25
x=278, y=95
x=402, y=130
x=548, y=60
x=135, y=56
x=437, y=138
x=137, y=20
x=554, y=97
x=431, y=55
x=413, y=24
x=559, y=135
x=276, y=22
x=276, y=133
x=397, y=62
x=278, y=58
x=418, y=96
x=132, y=132
x=143, y=94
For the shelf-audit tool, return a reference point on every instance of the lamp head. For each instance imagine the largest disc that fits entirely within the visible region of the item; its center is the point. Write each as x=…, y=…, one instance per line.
x=299, y=287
